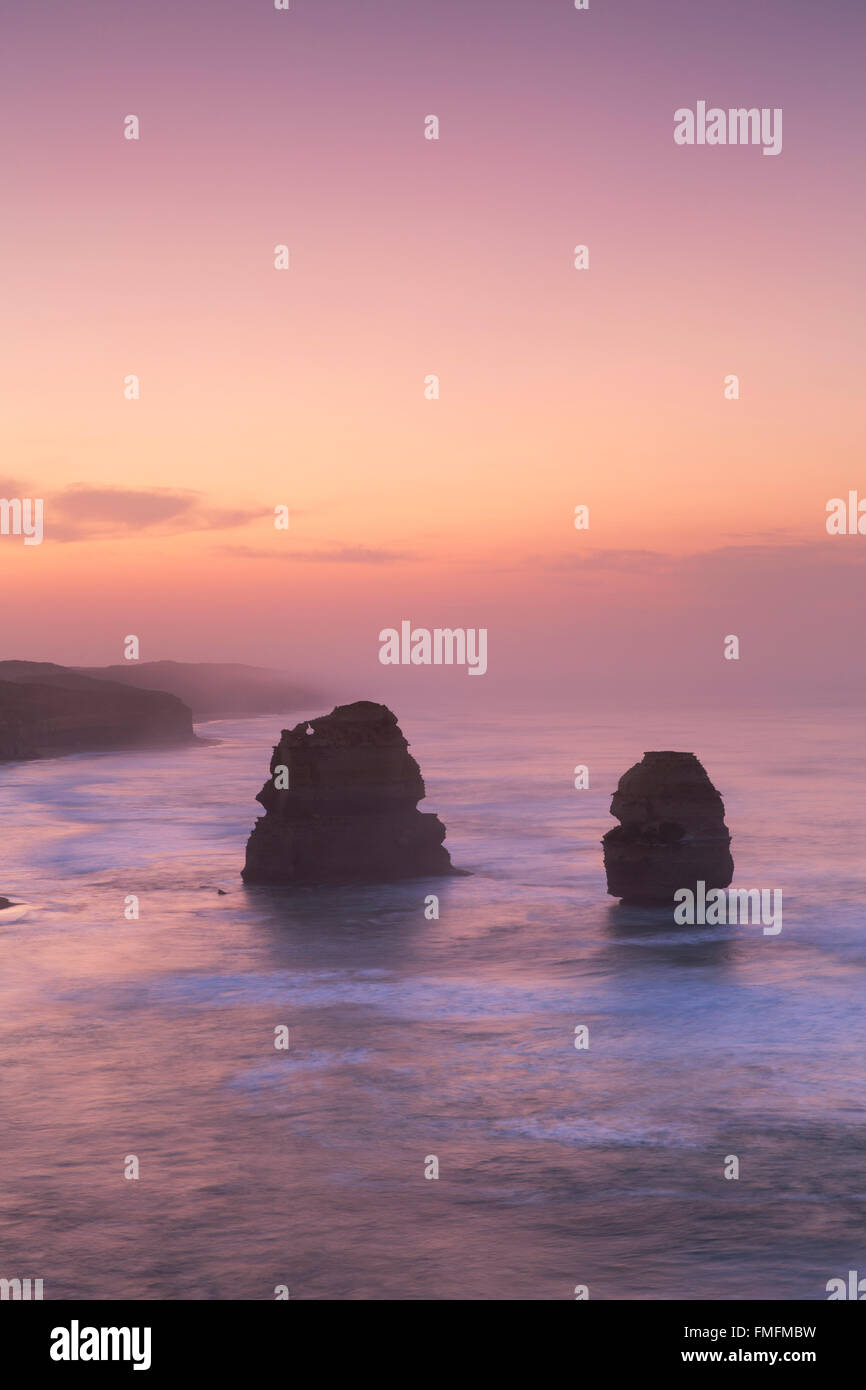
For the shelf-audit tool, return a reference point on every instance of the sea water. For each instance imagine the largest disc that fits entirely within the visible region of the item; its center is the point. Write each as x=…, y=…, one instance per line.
x=452, y=1038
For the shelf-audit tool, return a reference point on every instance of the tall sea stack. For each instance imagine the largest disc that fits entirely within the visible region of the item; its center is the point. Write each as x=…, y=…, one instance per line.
x=349, y=810
x=672, y=831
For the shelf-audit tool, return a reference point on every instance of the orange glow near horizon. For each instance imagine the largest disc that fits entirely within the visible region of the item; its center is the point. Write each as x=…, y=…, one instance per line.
x=408, y=258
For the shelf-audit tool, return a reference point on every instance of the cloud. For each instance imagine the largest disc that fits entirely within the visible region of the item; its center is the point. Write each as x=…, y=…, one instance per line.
x=770, y=535
x=345, y=555
x=624, y=560
x=81, y=512
x=829, y=552
x=827, y=556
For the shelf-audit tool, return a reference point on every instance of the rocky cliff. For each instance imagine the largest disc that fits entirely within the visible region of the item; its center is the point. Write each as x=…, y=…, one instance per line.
x=349, y=812
x=47, y=710
x=672, y=831
x=213, y=690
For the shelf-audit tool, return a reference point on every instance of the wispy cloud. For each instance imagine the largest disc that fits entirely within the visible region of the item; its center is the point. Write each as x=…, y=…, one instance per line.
x=829, y=551
x=82, y=513
x=629, y=561
x=344, y=555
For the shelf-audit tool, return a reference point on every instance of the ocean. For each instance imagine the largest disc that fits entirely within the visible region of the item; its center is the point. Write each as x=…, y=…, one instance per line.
x=414, y=1039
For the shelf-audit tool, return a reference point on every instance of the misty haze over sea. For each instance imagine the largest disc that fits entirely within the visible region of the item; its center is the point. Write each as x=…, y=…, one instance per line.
x=453, y=1037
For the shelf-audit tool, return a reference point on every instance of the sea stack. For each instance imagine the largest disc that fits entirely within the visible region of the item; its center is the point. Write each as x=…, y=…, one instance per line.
x=341, y=805
x=672, y=832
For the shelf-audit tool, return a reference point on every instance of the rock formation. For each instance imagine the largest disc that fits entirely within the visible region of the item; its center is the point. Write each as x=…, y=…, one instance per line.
x=48, y=710
x=672, y=831
x=349, y=812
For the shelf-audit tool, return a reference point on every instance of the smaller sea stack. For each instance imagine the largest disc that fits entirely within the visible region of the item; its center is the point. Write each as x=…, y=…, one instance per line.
x=672, y=832
x=349, y=811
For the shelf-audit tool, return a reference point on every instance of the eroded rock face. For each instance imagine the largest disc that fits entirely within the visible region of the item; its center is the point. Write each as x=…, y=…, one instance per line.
x=349, y=812
x=672, y=831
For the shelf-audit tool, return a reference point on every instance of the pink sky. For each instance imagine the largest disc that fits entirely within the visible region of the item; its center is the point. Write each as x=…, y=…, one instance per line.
x=453, y=257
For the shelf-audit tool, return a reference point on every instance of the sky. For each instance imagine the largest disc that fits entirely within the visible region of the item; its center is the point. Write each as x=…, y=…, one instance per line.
x=558, y=387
